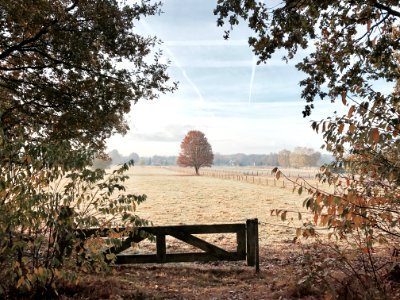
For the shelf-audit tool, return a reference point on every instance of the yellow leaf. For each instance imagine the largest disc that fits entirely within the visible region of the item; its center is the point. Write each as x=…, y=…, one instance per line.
x=318, y=200
x=358, y=220
x=298, y=232
x=375, y=135
x=20, y=282
x=328, y=296
x=57, y=273
x=110, y=256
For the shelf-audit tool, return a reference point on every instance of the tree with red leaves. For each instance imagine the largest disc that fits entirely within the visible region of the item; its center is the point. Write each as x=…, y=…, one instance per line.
x=195, y=151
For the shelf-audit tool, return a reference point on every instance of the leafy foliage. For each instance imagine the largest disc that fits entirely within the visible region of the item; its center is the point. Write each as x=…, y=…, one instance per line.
x=356, y=48
x=355, y=60
x=44, y=199
x=196, y=152
x=49, y=79
x=59, y=101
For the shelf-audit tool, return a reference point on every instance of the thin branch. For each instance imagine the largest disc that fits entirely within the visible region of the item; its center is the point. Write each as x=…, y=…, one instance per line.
x=18, y=46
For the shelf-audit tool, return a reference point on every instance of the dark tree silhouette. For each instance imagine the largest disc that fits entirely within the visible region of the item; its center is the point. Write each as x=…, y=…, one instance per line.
x=196, y=151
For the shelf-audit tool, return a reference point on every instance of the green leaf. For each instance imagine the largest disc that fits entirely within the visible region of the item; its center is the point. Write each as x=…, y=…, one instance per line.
x=300, y=190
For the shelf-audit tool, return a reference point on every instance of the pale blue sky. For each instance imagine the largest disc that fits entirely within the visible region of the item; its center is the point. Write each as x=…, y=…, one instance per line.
x=239, y=106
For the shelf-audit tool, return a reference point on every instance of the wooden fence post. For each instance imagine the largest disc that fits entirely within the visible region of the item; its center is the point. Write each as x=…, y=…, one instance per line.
x=161, y=248
x=252, y=243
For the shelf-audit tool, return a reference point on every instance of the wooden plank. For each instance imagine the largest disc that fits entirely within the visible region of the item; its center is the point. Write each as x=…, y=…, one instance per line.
x=161, y=248
x=257, y=248
x=199, y=243
x=171, y=258
x=191, y=257
x=136, y=259
x=125, y=244
x=136, y=235
x=86, y=233
x=241, y=243
x=192, y=229
x=196, y=229
x=104, y=232
x=251, y=241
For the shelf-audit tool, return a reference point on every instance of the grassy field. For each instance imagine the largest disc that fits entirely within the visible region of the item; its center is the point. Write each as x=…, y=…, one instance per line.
x=176, y=197
x=179, y=198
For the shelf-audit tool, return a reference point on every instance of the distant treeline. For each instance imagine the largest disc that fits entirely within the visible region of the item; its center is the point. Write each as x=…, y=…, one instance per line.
x=299, y=157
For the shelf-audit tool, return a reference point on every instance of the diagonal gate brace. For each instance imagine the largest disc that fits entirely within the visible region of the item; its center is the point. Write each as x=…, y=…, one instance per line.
x=201, y=244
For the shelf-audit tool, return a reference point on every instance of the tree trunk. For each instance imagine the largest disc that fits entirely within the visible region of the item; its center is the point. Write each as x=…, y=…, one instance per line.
x=197, y=171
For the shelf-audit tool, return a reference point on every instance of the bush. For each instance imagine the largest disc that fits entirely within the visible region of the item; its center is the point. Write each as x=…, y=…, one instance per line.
x=46, y=194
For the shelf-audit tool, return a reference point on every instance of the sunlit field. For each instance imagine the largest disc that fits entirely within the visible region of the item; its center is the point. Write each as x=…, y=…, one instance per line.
x=180, y=198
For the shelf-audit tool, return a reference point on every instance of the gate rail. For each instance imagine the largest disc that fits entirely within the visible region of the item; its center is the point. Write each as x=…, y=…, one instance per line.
x=247, y=246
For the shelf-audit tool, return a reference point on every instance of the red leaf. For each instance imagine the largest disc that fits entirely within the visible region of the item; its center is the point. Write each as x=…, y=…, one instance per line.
x=375, y=135
x=344, y=98
x=351, y=110
x=341, y=127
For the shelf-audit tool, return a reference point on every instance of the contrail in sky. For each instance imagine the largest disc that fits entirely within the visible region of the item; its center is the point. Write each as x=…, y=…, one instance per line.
x=253, y=71
x=174, y=60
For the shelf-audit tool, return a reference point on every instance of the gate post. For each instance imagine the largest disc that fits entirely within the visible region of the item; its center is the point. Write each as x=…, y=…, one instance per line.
x=161, y=248
x=253, y=258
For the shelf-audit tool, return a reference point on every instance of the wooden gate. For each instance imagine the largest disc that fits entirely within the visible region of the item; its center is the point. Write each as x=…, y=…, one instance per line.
x=246, y=243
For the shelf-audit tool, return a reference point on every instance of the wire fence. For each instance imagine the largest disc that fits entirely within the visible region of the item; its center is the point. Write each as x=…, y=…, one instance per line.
x=260, y=177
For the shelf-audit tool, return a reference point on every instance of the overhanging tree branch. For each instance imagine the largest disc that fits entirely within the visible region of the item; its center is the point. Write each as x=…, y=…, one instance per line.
x=387, y=9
